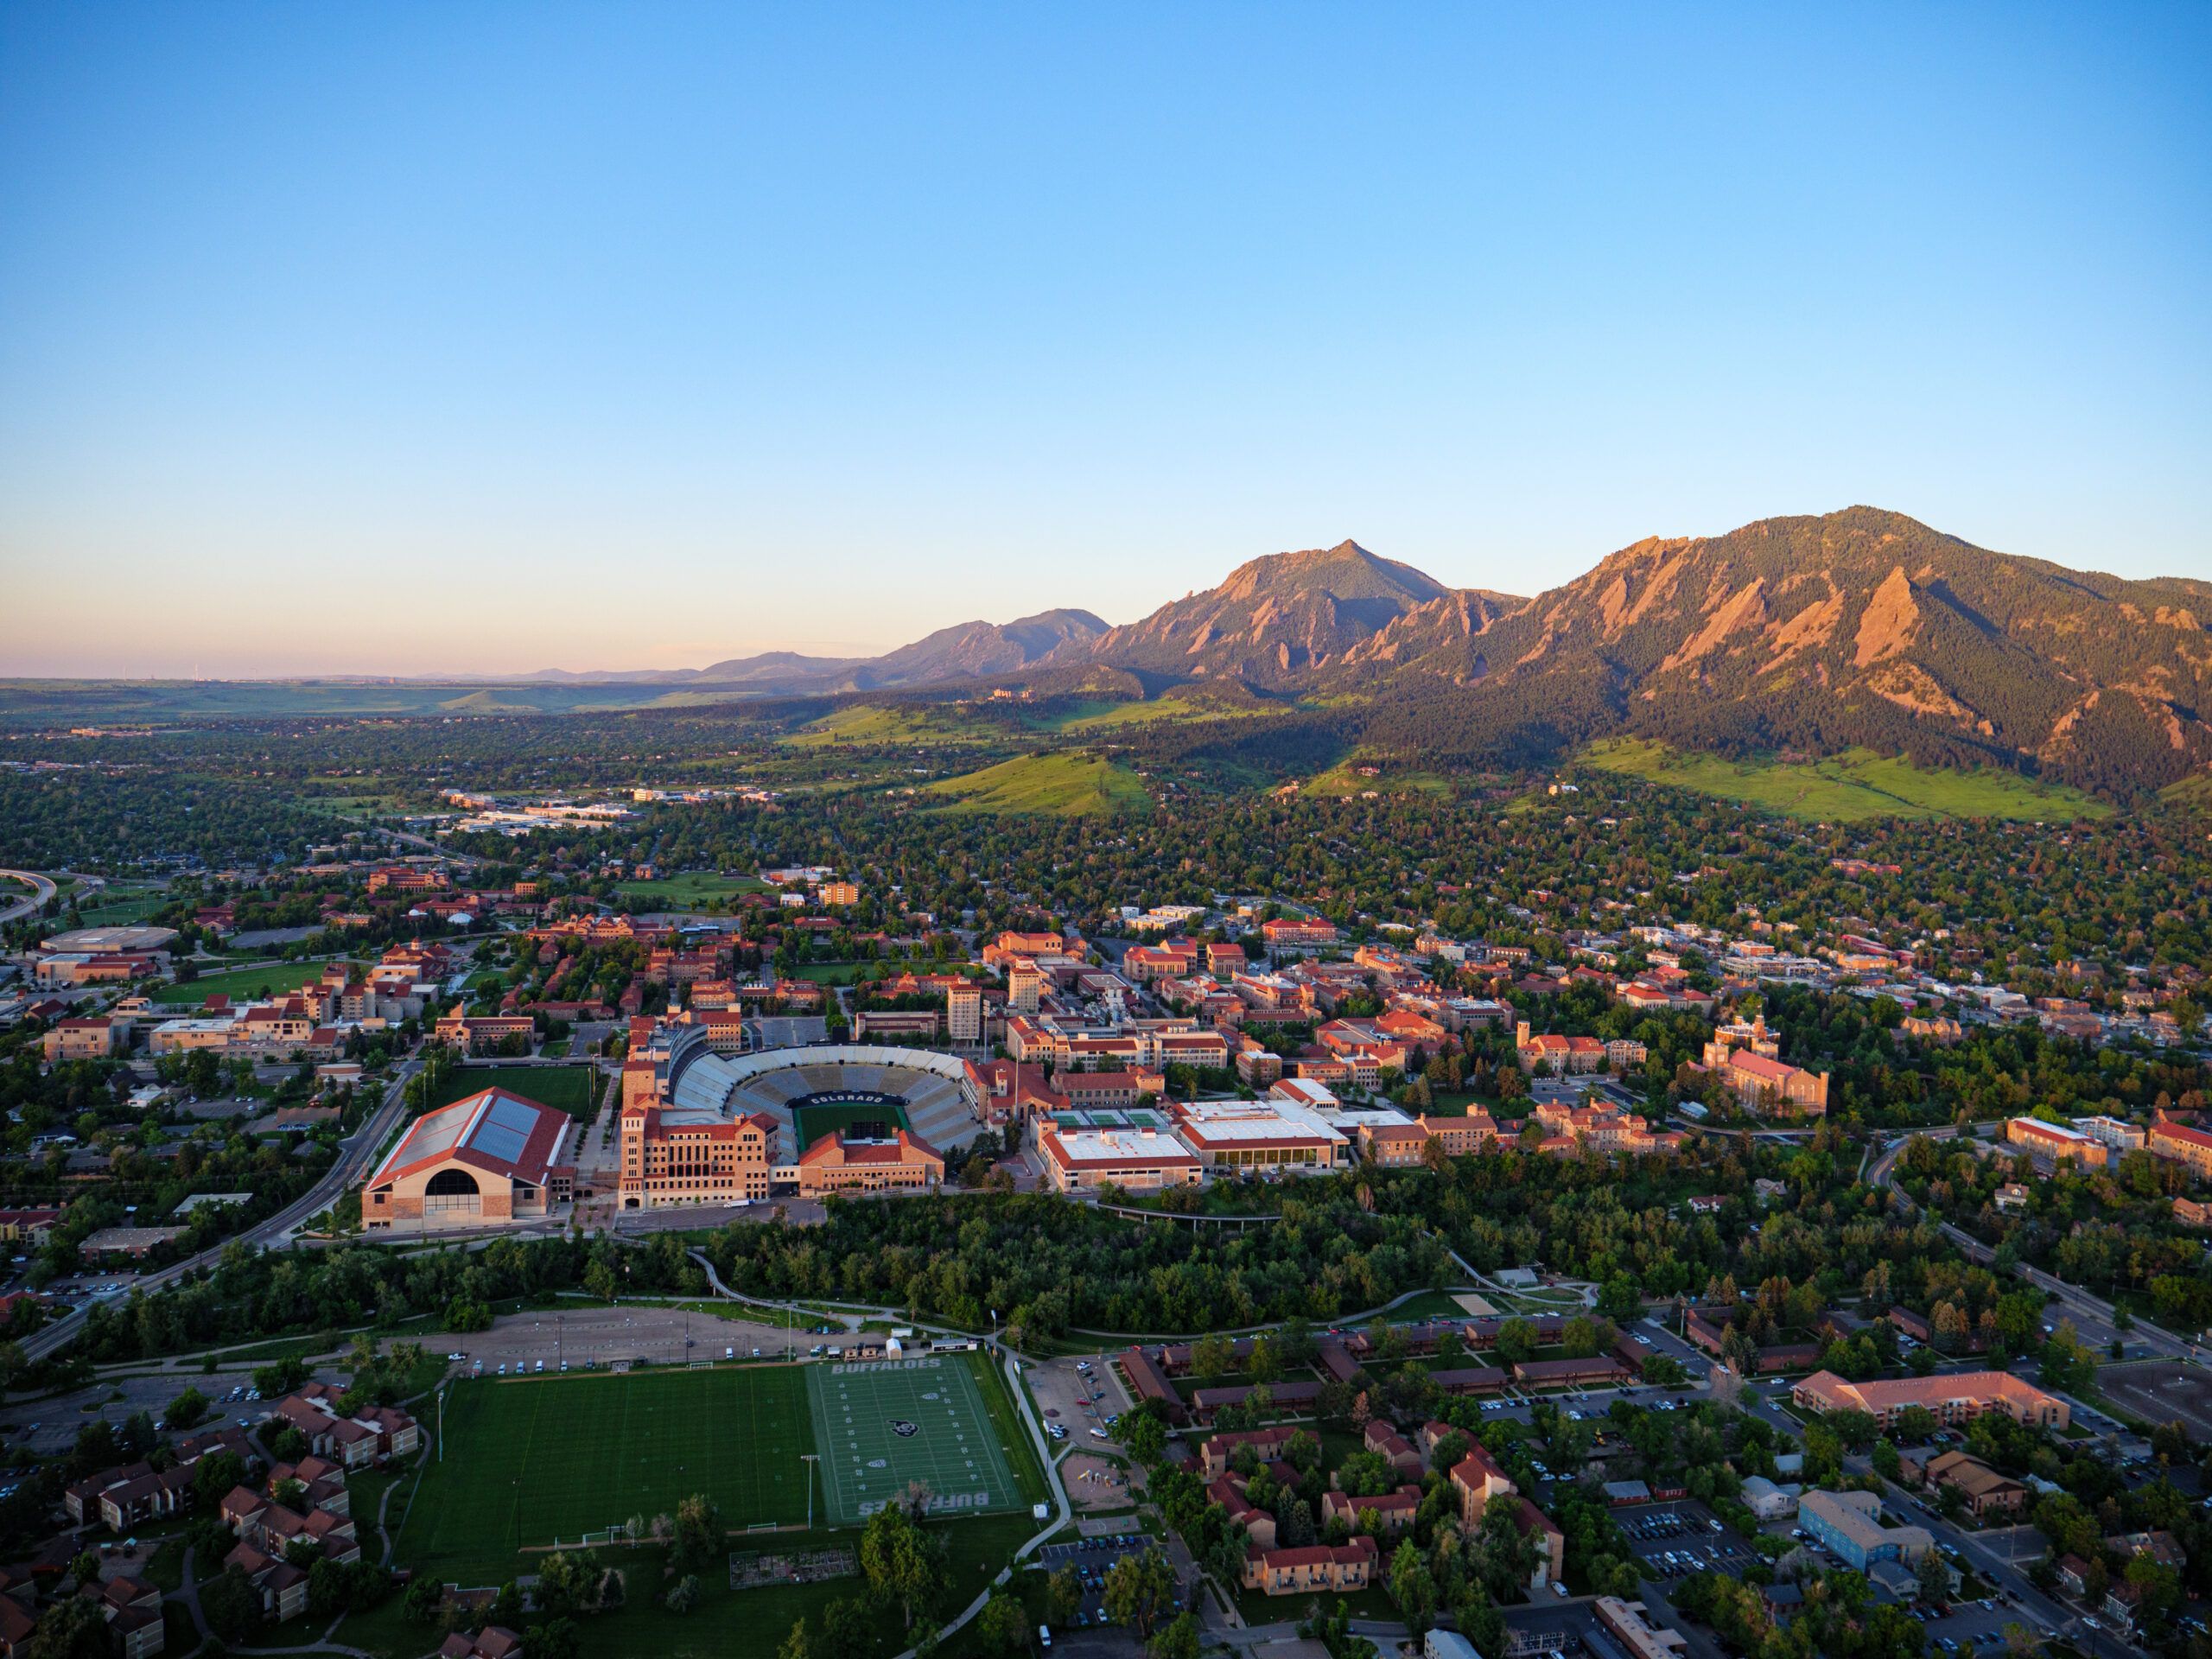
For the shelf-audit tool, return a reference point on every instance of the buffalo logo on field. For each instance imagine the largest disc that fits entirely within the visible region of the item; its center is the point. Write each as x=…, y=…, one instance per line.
x=904, y=1429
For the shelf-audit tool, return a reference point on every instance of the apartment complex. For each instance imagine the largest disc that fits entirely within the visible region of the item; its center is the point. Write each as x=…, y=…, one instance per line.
x=1849, y=1525
x=2059, y=1144
x=1958, y=1398
x=2183, y=1144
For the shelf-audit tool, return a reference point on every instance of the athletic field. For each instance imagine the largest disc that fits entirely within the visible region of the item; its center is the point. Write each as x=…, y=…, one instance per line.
x=882, y=1424
x=527, y=1462
x=812, y=1121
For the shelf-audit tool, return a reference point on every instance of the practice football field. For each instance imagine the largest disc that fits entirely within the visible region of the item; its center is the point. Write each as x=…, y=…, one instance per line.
x=528, y=1462
x=881, y=1424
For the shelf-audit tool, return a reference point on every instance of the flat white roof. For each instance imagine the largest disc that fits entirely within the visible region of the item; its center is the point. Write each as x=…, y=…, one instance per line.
x=1254, y=1120
x=1120, y=1146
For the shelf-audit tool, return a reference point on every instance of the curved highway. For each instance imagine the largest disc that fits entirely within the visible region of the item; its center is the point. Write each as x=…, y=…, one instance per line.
x=42, y=892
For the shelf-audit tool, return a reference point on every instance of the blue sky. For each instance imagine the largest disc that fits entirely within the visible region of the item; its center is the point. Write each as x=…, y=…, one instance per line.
x=417, y=338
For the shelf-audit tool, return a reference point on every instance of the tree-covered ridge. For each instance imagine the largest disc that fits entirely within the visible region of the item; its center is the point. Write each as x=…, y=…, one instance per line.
x=1860, y=626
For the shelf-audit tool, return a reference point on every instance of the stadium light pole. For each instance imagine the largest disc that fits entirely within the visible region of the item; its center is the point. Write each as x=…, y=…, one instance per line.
x=810, y=1458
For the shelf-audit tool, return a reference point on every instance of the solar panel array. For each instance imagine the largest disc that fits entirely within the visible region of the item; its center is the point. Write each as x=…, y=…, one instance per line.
x=504, y=1131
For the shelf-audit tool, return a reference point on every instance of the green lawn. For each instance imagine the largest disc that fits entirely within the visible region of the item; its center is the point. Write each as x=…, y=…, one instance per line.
x=866, y=723
x=1066, y=785
x=692, y=890
x=570, y=1089
x=123, y=905
x=832, y=973
x=811, y=1123
x=1174, y=706
x=1013, y=1436
x=525, y=1462
x=528, y=1462
x=354, y=806
x=2192, y=794
x=242, y=984
x=1849, y=787
x=1345, y=778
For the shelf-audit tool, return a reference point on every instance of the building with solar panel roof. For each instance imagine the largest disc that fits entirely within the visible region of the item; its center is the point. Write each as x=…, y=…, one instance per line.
x=493, y=1157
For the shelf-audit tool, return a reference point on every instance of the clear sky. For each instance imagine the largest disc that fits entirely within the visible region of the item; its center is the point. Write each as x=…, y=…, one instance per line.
x=420, y=338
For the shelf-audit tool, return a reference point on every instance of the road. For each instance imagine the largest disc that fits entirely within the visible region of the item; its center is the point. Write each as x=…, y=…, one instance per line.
x=351, y=1164
x=42, y=892
x=2044, y=1613
x=2093, y=1316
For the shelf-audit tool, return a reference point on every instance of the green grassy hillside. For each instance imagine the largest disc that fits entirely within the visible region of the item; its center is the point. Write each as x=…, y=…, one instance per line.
x=2192, y=794
x=1066, y=785
x=867, y=723
x=1174, y=706
x=1847, y=787
x=1347, y=778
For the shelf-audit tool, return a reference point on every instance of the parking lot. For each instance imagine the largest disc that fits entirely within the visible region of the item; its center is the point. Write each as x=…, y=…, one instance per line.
x=595, y=1337
x=1092, y=1559
x=1078, y=1397
x=1675, y=1540
x=1972, y=1627
x=49, y=1428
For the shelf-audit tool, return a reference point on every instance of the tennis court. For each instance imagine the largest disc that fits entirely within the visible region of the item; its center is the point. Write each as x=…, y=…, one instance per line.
x=882, y=1425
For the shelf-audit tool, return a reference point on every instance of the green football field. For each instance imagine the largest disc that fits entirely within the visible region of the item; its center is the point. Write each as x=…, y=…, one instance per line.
x=811, y=1123
x=525, y=1462
x=882, y=1424
x=570, y=1089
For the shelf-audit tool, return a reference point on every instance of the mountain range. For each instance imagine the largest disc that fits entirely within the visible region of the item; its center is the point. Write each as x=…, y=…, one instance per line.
x=1803, y=635
x=1862, y=626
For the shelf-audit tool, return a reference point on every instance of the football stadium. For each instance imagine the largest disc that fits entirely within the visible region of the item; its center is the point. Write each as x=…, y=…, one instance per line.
x=805, y=1091
x=718, y=1127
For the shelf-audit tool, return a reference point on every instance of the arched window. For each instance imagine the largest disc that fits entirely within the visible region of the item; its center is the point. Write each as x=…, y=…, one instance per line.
x=452, y=1188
